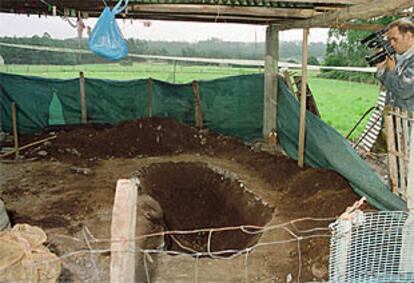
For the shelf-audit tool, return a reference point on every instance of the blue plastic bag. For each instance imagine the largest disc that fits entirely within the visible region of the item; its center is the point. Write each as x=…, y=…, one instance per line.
x=106, y=39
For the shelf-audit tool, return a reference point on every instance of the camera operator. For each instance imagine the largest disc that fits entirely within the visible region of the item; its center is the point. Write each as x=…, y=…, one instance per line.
x=397, y=74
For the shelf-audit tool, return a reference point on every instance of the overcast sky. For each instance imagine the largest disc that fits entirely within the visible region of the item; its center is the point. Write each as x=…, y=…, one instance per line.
x=14, y=25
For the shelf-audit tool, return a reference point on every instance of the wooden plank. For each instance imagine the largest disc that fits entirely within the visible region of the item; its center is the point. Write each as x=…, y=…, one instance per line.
x=83, y=98
x=302, y=118
x=392, y=160
x=208, y=18
x=288, y=81
x=400, y=148
x=150, y=94
x=293, y=9
x=15, y=130
x=197, y=105
x=123, y=228
x=225, y=10
x=28, y=145
x=270, y=81
x=410, y=186
x=325, y=2
x=365, y=27
x=360, y=11
x=310, y=100
x=406, y=139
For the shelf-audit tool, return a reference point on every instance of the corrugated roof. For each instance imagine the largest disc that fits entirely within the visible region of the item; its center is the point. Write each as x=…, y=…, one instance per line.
x=285, y=13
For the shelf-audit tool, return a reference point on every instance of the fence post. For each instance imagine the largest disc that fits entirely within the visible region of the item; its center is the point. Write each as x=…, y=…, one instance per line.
x=83, y=98
x=197, y=104
x=150, y=92
x=392, y=160
x=302, y=118
x=401, y=158
x=15, y=133
x=410, y=169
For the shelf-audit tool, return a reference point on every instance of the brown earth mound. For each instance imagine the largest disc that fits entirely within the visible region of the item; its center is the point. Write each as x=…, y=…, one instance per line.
x=143, y=137
x=74, y=198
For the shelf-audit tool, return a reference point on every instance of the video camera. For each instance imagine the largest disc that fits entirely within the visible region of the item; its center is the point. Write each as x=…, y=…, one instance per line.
x=377, y=40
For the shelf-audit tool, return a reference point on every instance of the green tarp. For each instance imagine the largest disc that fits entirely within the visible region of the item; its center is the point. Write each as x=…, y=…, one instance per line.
x=231, y=106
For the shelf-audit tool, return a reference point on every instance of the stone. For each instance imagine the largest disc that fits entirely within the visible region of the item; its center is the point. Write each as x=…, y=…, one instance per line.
x=42, y=153
x=47, y=144
x=82, y=171
x=319, y=270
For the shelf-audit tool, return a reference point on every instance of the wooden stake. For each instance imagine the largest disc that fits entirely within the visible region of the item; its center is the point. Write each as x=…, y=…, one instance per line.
x=392, y=159
x=406, y=146
x=15, y=133
x=302, y=119
x=29, y=145
x=174, y=70
x=150, y=91
x=83, y=98
x=124, y=217
x=197, y=104
x=400, y=149
x=410, y=186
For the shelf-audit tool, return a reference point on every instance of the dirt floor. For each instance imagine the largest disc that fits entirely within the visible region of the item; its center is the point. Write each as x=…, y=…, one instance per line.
x=190, y=179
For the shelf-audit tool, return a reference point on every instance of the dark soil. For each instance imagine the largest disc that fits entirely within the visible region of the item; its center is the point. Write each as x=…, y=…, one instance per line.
x=206, y=200
x=54, y=196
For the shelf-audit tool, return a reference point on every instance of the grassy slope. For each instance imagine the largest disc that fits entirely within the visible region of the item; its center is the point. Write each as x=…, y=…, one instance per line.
x=340, y=103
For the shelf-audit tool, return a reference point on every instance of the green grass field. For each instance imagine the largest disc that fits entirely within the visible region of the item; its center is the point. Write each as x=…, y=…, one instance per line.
x=340, y=103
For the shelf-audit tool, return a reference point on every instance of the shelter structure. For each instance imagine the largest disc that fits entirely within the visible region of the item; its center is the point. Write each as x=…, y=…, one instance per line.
x=278, y=15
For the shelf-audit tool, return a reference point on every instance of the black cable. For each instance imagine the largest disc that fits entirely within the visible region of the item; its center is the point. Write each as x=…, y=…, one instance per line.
x=360, y=120
x=367, y=132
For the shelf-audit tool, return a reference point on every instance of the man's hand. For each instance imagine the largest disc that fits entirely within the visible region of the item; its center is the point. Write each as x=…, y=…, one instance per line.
x=388, y=63
x=381, y=66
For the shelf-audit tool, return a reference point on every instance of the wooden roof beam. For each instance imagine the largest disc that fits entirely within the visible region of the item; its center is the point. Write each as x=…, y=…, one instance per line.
x=343, y=26
x=371, y=9
x=325, y=2
x=224, y=10
x=208, y=19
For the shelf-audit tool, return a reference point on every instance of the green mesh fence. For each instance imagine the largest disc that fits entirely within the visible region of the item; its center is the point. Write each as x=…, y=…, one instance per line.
x=231, y=106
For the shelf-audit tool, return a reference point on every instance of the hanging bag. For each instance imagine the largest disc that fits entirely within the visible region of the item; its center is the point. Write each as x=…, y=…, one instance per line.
x=106, y=39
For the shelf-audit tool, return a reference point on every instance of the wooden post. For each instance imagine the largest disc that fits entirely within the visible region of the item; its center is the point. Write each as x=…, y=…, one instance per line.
x=150, y=91
x=410, y=185
x=83, y=98
x=15, y=130
x=174, y=70
x=123, y=226
x=406, y=138
x=392, y=160
x=302, y=125
x=270, y=81
x=400, y=147
x=197, y=104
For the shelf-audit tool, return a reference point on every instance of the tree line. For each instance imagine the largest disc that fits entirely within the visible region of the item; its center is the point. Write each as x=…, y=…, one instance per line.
x=213, y=48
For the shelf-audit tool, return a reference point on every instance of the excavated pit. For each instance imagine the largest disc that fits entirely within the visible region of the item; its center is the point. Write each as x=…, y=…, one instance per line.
x=196, y=196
